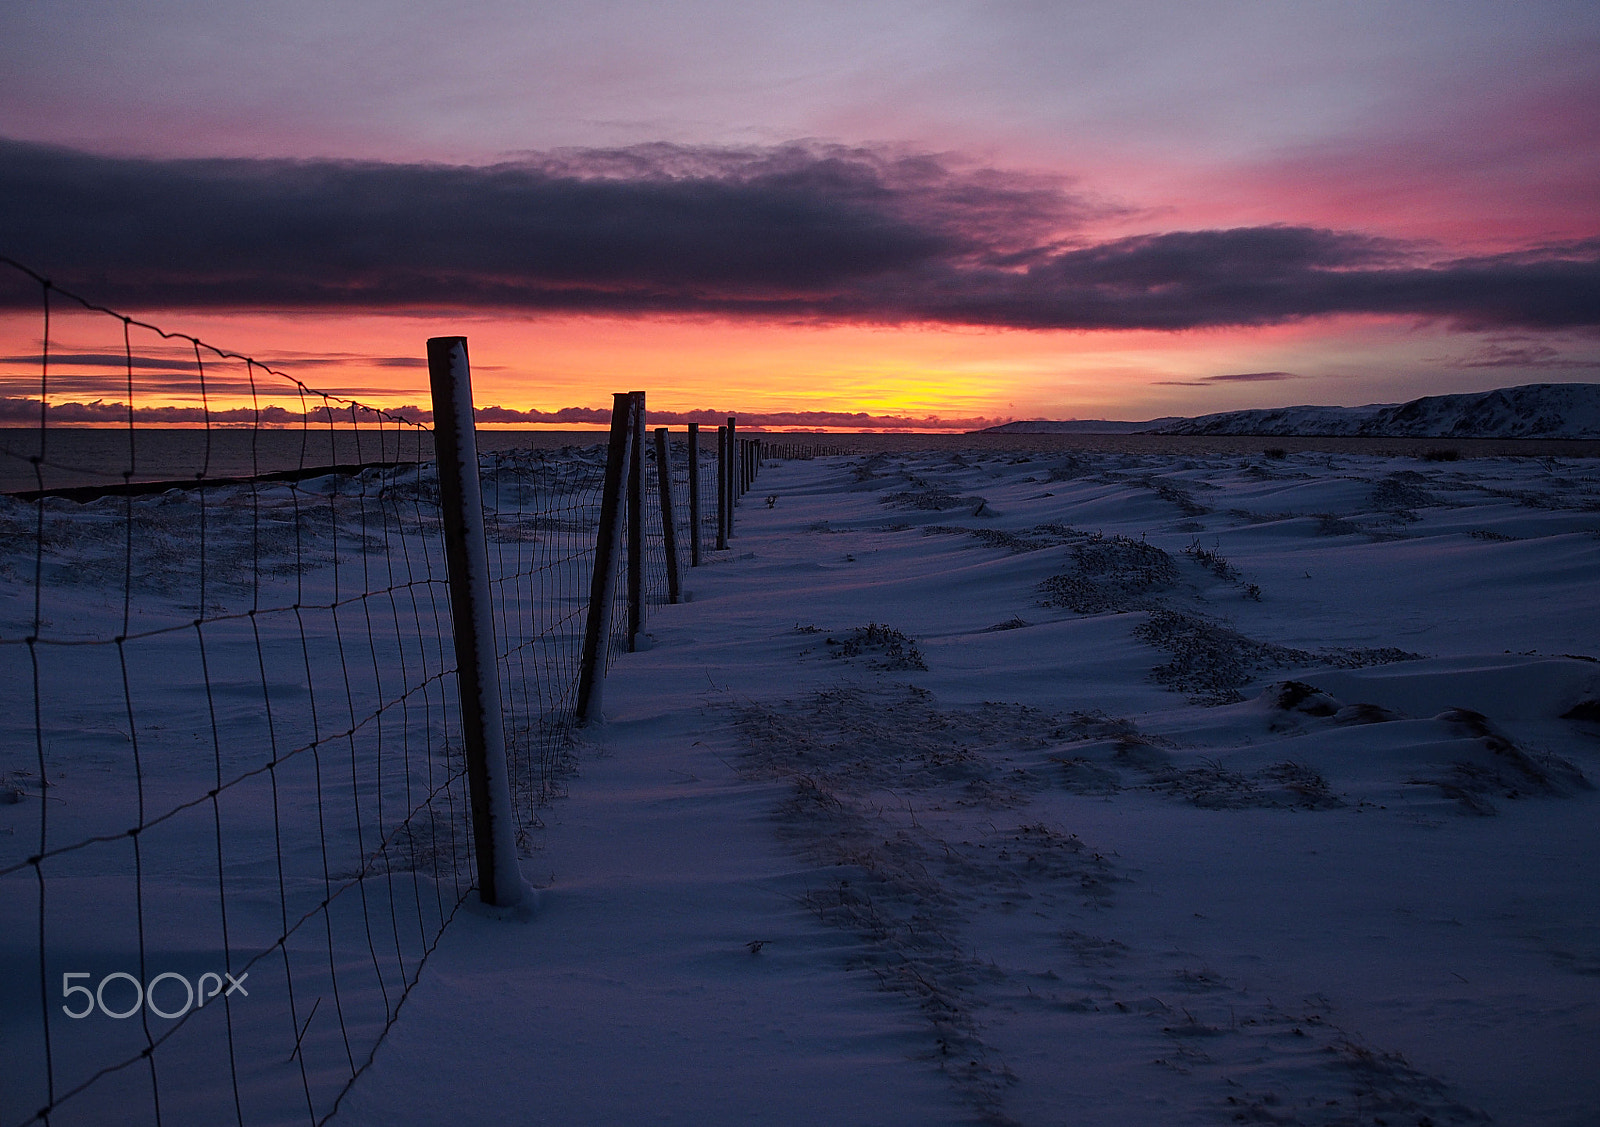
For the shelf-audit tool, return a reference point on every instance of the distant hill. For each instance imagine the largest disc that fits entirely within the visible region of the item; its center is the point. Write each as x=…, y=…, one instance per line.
x=1541, y=410
x=1079, y=426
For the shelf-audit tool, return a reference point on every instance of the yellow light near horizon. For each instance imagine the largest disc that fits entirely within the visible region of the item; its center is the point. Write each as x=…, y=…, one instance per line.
x=920, y=372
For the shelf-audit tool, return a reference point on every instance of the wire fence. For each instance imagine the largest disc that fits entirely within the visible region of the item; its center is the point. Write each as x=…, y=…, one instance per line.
x=805, y=451
x=234, y=819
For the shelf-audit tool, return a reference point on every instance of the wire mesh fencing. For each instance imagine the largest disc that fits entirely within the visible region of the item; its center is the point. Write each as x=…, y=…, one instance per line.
x=235, y=831
x=234, y=819
x=542, y=510
x=804, y=451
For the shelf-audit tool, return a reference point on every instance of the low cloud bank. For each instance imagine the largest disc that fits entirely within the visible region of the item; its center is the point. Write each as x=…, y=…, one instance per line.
x=803, y=231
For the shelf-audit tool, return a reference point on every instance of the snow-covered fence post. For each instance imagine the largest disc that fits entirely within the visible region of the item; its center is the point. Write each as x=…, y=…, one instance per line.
x=694, y=494
x=636, y=524
x=607, y=543
x=722, y=488
x=455, y=444
x=669, y=534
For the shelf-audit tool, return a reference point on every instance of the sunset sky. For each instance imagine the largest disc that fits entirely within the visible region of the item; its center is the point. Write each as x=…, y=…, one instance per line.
x=969, y=211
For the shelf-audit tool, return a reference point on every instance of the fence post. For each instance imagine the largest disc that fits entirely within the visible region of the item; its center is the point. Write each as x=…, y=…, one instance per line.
x=455, y=444
x=608, y=542
x=722, y=488
x=636, y=525
x=669, y=534
x=733, y=470
x=694, y=494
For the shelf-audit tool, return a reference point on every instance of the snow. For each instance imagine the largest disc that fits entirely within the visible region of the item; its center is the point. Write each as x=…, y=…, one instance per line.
x=1296, y=825
x=1564, y=410
x=1173, y=936
x=1546, y=411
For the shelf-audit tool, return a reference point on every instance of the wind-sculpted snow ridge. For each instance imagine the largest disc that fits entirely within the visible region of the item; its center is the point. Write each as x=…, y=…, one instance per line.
x=961, y=840
x=1570, y=411
x=915, y=810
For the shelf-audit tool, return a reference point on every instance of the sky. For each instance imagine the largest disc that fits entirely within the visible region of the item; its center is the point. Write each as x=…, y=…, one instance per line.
x=888, y=213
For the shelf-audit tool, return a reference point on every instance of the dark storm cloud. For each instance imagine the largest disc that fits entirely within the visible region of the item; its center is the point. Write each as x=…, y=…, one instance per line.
x=801, y=231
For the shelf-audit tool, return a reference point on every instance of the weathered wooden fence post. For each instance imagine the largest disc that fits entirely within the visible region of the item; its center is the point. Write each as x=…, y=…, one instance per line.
x=607, y=545
x=733, y=470
x=669, y=534
x=723, y=515
x=455, y=444
x=694, y=494
x=636, y=525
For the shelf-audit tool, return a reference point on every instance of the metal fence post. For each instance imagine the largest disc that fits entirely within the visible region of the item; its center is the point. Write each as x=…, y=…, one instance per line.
x=669, y=534
x=722, y=488
x=472, y=616
x=694, y=494
x=608, y=542
x=636, y=525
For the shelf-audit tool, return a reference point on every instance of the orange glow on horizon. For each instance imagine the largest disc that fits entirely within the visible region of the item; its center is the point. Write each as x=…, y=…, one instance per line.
x=931, y=377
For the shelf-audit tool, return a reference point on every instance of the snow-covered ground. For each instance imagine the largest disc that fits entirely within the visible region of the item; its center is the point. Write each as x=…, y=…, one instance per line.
x=1080, y=789
x=1072, y=788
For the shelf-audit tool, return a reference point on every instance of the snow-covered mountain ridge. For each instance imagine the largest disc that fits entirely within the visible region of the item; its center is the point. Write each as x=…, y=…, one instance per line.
x=1569, y=410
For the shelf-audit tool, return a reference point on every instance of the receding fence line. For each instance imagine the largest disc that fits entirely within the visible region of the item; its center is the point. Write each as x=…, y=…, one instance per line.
x=732, y=484
x=803, y=451
x=723, y=514
x=308, y=642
